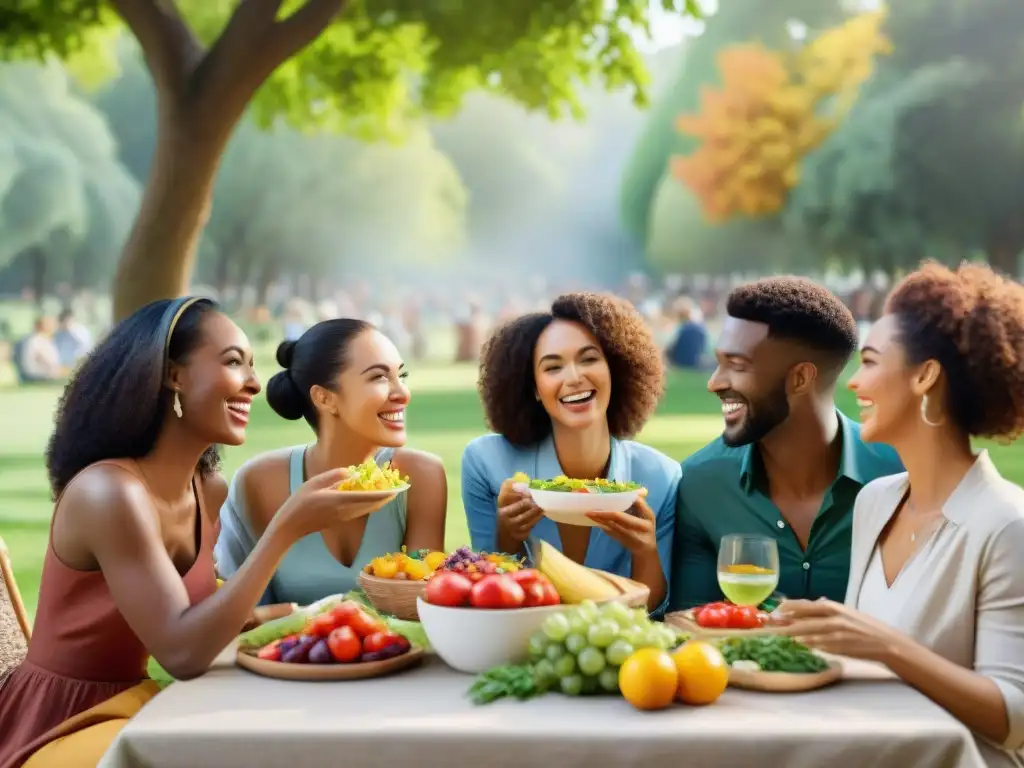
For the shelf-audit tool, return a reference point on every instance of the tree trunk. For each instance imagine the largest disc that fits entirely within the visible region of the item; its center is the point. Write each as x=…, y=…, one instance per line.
x=201, y=96
x=38, y=258
x=161, y=250
x=267, y=277
x=220, y=270
x=1004, y=257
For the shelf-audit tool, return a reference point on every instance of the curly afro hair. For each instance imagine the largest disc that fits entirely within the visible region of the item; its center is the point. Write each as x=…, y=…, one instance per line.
x=800, y=310
x=971, y=321
x=507, y=385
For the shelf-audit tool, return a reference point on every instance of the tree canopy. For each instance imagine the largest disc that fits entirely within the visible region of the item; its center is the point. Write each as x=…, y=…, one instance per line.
x=929, y=159
x=65, y=200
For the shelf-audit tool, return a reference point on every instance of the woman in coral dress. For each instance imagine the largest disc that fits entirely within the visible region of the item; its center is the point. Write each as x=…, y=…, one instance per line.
x=129, y=570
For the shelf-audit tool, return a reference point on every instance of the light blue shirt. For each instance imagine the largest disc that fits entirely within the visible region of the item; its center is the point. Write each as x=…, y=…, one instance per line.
x=308, y=572
x=490, y=460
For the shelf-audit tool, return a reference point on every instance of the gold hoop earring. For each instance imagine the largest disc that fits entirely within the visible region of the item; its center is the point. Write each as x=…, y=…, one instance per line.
x=177, y=404
x=924, y=414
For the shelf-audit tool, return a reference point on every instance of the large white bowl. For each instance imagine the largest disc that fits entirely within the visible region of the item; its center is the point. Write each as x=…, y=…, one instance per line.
x=572, y=508
x=474, y=640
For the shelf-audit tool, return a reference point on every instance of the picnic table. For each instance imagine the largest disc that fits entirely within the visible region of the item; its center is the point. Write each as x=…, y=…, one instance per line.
x=230, y=718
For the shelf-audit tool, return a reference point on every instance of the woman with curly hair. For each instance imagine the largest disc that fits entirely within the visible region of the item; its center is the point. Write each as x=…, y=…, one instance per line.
x=564, y=390
x=936, y=589
x=128, y=571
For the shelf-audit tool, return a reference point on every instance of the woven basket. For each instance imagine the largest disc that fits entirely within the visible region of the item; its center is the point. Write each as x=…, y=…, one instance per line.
x=394, y=596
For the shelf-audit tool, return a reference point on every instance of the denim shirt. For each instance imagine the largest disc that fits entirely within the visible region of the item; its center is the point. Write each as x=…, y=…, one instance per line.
x=490, y=460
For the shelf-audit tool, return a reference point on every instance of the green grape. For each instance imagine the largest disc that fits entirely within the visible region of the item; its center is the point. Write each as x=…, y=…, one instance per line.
x=565, y=666
x=602, y=634
x=618, y=613
x=544, y=671
x=588, y=610
x=640, y=617
x=590, y=685
x=575, y=643
x=578, y=625
x=618, y=652
x=668, y=636
x=556, y=627
x=554, y=652
x=538, y=645
x=609, y=679
x=635, y=636
x=571, y=685
x=591, y=661
x=652, y=639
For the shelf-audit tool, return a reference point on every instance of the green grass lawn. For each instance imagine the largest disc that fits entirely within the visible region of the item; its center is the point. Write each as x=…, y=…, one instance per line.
x=444, y=415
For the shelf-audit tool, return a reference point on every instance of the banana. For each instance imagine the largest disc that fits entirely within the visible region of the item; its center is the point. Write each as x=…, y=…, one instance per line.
x=574, y=582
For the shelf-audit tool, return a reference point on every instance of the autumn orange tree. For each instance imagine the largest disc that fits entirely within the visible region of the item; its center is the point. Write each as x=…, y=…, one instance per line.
x=771, y=110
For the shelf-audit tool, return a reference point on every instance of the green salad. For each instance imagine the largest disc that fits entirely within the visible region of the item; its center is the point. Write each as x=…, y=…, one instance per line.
x=570, y=485
x=771, y=653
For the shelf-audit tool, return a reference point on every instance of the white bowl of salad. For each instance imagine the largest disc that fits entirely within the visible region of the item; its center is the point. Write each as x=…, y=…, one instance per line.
x=567, y=500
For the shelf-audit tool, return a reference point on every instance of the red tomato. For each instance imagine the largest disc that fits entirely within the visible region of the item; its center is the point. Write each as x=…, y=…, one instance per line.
x=344, y=645
x=526, y=576
x=551, y=596
x=534, y=594
x=322, y=625
x=448, y=588
x=378, y=641
x=271, y=652
x=343, y=612
x=365, y=625
x=497, y=591
x=713, y=616
x=744, y=617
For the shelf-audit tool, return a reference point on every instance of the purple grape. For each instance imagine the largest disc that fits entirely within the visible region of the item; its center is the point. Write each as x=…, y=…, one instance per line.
x=300, y=653
x=388, y=652
x=320, y=653
x=287, y=645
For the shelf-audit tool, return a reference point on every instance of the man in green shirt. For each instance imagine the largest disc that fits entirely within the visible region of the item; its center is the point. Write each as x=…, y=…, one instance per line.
x=788, y=465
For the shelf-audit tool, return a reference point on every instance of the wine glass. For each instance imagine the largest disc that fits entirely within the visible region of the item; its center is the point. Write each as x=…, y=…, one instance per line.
x=748, y=568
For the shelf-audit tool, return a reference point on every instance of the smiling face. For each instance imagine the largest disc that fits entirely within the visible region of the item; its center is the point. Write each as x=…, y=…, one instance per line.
x=217, y=382
x=750, y=380
x=885, y=385
x=574, y=383
x=370, y=395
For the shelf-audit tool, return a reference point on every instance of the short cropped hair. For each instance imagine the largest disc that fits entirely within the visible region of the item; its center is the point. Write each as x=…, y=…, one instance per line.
x=800, y=310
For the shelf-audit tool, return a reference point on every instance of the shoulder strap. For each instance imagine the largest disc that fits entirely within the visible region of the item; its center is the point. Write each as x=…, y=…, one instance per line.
x=296, y=468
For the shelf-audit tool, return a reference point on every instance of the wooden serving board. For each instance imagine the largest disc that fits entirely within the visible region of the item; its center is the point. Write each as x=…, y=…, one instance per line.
x=685, y=621
x=246, y=658
x=785, y=682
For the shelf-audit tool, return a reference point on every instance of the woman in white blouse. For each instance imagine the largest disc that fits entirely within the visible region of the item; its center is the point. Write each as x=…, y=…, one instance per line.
x=936, y=588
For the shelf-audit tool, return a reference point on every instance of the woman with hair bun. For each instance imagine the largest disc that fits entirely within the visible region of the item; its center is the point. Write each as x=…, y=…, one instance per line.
x=936, y=589
x=347, y=380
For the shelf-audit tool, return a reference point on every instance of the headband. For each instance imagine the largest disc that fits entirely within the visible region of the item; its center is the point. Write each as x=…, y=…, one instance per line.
x=173, y=314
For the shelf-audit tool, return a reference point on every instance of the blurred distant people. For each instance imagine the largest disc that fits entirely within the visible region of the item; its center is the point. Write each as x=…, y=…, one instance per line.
x=689, y=347
x=413, y=319
x=72, y=339
x=36, y=356
x=469, y=333
x=326, y=310
x=294, y=319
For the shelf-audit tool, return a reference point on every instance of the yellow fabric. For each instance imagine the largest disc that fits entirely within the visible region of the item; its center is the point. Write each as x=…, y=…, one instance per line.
x=82, y=740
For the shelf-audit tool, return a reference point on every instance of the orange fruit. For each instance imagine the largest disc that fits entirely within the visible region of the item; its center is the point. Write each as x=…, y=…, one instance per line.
x=648, y=679
x=703, y=672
